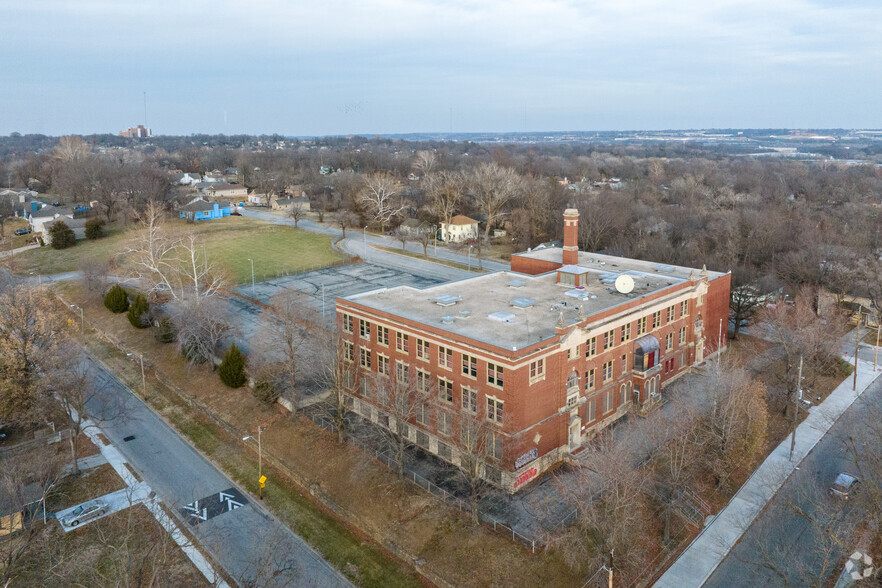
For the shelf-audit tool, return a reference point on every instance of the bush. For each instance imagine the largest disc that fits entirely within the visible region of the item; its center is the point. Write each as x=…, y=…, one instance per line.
x=164, y=331
x=265, y=391
x=191, y=350
x=62, y=235
x=116, y=300
x=138, y=312
x=94, y=228
x=232, y=368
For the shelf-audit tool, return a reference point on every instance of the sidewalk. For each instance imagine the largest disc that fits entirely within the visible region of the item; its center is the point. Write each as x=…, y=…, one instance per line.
x=696, y=564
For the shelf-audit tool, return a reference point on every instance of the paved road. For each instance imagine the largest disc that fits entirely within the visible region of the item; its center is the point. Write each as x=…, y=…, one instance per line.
x=246, y=540
x=358, y=243
x=799, y=536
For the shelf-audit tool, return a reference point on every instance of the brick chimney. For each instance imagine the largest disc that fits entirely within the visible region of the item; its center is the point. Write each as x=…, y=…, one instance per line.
x=571, y=237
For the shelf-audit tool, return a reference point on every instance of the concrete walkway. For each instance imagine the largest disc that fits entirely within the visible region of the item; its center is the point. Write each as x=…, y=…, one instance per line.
x=142, y=493
x=696, y=564
x=9, y=252
x=115, y=501
x=86, y=463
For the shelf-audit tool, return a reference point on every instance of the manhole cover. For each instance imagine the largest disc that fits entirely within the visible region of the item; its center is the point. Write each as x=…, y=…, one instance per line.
x=129, y=438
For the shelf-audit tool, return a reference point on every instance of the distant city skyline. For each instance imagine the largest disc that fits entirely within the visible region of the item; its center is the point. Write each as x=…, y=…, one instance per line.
x=387, y=67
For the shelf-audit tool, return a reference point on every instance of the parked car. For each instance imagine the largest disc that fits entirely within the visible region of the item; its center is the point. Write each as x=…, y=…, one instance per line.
x=844, y=486
x=21, y=232
x=84, y=512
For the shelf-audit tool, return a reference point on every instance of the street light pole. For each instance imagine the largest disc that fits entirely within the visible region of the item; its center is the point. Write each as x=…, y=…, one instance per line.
x=857, y=342
x=796, y=407
x=252, y=276
x=435, y=239
x=260, y=430
x=364, y=238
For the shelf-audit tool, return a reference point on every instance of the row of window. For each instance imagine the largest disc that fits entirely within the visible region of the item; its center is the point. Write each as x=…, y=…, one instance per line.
x=609, y=340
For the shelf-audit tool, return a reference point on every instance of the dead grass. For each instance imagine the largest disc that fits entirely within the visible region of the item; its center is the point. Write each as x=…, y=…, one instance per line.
x=392, y=513
x=90, y=484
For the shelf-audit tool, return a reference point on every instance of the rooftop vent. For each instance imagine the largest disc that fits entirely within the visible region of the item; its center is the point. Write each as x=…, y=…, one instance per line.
x=446, y=299
x=577, y=293
x=523, y=302
x=447, y=320
x=502, y=317
x=664, y=268
x=465, y=314
x=516, y=283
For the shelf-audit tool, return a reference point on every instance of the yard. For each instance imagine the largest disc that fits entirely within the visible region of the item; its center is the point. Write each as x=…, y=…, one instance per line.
x=276, y=250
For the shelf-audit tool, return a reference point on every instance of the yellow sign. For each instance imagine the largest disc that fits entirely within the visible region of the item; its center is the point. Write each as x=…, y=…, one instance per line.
x=262, y=481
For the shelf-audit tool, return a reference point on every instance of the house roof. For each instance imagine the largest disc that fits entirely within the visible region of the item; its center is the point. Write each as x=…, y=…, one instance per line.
x=413, y=223
x=73, y=223
x=285, y=201
x=199, y=206
x=461, y=219
x=51, y=211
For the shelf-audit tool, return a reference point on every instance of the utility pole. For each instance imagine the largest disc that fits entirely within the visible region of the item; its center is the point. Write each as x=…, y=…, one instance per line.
x=611, y=555
x=857, y=341
x=876, y=356
x=252, y=276
x=797, y=399
x=143, y=378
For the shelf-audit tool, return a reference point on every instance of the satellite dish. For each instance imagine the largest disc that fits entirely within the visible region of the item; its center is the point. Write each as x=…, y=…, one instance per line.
x=624, y=284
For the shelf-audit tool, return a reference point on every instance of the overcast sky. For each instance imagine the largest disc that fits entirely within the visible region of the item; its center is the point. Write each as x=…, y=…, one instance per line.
x=303, y=67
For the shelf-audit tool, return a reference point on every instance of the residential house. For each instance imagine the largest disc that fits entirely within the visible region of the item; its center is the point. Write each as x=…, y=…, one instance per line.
x=78, y=225
x=203, y=210
x=415, y=227
x=222, y=190
x=49, y=213
x=460, y=228
x=187, y=179
x=286, y=204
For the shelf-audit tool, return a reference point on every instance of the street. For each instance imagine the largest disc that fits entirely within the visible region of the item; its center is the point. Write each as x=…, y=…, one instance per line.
x=243, y=537
x=799, y=537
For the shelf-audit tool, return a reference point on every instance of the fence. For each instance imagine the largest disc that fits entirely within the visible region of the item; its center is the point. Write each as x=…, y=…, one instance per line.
x=424, y=483
x=304, y=270
x=56, y=437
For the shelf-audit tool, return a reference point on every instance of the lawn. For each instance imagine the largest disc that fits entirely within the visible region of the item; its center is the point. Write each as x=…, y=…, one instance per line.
x=276, y=250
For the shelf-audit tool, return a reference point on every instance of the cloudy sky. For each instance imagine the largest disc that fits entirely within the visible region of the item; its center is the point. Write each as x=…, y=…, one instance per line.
x=304, y=67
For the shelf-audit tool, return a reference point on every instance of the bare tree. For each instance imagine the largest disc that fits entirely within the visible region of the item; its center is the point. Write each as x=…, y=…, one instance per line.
x=445, y=191
x=297, y=212
x=70, y=148
x=346, y=219
x=494, y=187
x=400, y=403
x=284, y=342
x=424, y=162
x=479, y=444
x=336, y=376
x=380, y=196
x=201, y=324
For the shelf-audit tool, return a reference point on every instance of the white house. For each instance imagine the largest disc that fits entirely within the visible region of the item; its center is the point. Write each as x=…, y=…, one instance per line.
x=188, y=179
x=47, y=214
x=460, y=228
x=77, y=225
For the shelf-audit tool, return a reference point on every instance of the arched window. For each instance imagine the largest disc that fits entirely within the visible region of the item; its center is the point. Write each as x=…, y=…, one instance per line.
x=573, y=383
x=623, y=394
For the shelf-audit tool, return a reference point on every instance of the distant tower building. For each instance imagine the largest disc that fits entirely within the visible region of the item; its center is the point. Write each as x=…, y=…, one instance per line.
x=139, y=132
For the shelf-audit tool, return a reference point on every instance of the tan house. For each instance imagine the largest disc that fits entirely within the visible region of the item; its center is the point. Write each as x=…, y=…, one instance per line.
x=221, y=190
x=460, y=228
x=286, y=204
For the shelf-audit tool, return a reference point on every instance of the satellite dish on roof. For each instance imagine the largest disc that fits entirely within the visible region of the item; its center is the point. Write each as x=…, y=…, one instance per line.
x=624, y=284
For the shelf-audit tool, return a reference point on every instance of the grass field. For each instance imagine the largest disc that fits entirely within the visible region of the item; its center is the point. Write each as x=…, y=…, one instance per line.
x=230, y=242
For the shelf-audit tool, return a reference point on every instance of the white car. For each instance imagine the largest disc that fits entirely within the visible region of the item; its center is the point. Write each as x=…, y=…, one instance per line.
x=83, y=513
x=844, y=486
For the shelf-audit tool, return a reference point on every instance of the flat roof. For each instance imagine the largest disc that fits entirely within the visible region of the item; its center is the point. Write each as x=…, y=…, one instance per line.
x=473, y=306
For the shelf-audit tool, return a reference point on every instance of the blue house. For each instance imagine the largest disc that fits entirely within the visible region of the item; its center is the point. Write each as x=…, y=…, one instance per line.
x=202, y=210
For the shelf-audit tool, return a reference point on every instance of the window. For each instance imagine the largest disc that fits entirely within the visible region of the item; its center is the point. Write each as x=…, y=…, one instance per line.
x=573, y=353
x=669, y=341
x=422, y=438
x=469, y=400
x=626, y=332
x=494, y=410
x=347, y=378
x=537, y=370
x=641, y=326
x=567, y=279
x=365, y=386
x=656, y=319
x=422, y=381
x=423, y=414
x=591, y=347
x=682, y=359
x=382, y=365
x=589, y=379
x=494, y=375
x=607, y=371
x=347, y=323
x=401, y=371
x=401, y=342
x=445, y=425
x=364, y=329
x=589, y=411
x=445, y=357
x=383, y=335
x=623, y=394
x=701, y=300
x=422, y=350
x=624, y=362
x=684, y=308
x=445, y=390
x=608, y=401
x=572, y=389
x=365, y=358
x=494, y=445
x=444, y=451
x=682, y=335
x=469, y=366
x=671, y=310
x=348, y=351
x=609, y=339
